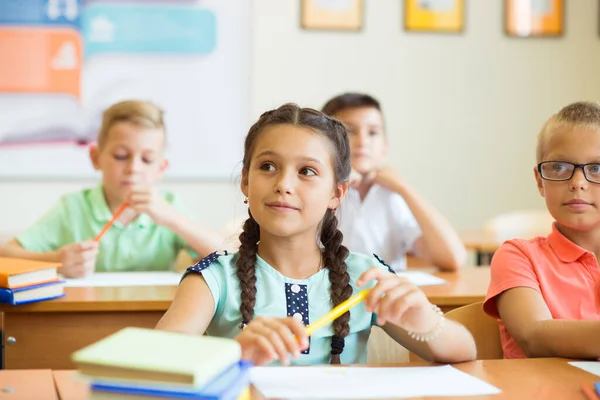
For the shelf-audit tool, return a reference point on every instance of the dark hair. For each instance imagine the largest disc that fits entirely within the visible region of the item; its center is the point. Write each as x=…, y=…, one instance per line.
x=349, y=100
x=334, y=253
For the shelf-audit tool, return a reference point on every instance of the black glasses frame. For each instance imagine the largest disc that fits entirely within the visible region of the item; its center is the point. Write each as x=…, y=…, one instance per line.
x=575, y=166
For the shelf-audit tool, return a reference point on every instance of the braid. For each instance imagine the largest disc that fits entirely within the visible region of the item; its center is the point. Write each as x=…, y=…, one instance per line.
x=246, y=266
x=335, y=255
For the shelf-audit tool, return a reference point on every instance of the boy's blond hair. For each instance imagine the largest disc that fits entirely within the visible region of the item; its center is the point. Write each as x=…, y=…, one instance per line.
x=583, y=114
x=141, y=113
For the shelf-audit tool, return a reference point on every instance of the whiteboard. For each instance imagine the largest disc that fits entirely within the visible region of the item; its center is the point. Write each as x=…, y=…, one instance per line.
x=190, y=57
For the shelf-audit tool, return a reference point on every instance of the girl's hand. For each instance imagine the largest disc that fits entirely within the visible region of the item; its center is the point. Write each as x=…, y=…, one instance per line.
x=265, y=340
x=398, y=301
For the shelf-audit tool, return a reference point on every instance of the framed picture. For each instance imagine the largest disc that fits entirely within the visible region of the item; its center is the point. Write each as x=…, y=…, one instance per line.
x=434, y=15
x=531, y=18
x=342, y=15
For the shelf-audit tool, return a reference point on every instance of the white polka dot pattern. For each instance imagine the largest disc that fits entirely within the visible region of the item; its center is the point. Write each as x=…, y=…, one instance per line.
x=297, y=304
x=206, y=261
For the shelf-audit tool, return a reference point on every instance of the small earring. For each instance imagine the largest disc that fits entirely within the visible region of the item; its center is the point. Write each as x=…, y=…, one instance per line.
x=246, y=200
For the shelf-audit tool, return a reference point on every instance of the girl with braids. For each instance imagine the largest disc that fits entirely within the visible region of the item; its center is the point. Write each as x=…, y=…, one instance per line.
x=291, y=267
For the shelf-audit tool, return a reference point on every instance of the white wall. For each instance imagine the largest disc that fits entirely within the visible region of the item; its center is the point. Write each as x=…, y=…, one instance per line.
x=462, y=110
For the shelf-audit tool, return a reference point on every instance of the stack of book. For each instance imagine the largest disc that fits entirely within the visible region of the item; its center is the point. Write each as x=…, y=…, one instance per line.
x=138, y=363
x=25, y=281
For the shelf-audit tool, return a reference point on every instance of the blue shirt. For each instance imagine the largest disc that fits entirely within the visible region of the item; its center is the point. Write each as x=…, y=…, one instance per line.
x=280, y=296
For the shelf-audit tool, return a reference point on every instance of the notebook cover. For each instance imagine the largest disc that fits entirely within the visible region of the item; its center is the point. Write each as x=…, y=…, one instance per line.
x=226, y=386
x=35, y=286
x=16, y=266
x=7, y=295
x=148, y=350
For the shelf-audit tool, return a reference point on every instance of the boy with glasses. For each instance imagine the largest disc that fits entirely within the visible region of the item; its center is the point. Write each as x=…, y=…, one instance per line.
x=546, y=290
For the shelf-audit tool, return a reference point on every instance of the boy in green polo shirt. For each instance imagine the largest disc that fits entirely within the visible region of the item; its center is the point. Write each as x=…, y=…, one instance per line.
x=152, y=230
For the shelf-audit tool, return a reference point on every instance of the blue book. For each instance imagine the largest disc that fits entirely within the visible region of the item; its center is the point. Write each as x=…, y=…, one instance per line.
x=32, y=294
x=226, y=386
x=597, y=387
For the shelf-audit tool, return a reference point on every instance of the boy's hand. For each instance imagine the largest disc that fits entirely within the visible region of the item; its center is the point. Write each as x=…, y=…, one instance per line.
x=78, y=259
x=388, y=178
x=404, y=304
x=144, y=199
x=355, y=179
x=265, y=340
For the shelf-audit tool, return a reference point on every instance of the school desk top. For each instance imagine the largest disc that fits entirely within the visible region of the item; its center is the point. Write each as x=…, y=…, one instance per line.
x=541, y=378
x=468, y=285
x=480, y=241
x=100, y=311
x=27, y=384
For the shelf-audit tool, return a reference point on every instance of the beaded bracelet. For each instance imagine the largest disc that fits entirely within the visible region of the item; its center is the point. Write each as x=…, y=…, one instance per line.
x=432, y=334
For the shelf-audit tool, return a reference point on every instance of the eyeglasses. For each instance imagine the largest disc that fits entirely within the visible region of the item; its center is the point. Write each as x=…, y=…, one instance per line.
x=564, y=171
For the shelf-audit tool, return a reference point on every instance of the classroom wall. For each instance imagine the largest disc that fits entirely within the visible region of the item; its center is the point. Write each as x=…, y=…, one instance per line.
x=462, y=110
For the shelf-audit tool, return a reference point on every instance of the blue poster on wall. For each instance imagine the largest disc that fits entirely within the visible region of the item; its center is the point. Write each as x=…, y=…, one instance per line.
x=40, y=12
x=135, y=28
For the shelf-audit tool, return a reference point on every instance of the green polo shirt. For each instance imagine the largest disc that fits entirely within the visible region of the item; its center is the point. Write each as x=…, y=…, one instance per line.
x=141, y=245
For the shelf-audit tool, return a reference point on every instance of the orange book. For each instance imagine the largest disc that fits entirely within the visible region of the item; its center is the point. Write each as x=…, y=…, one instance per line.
x=17, y=272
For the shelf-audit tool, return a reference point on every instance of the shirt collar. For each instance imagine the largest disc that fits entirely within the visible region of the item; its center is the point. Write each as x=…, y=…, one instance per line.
x=143, y=221
x=100, y=208
x=565, y=249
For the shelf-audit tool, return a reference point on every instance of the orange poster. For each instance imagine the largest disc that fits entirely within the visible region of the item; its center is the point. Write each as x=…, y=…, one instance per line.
x=40, y=60
x=534, y=17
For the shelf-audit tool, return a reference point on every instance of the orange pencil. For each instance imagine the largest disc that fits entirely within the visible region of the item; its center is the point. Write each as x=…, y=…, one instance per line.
x=589, y=391
x=112, y=221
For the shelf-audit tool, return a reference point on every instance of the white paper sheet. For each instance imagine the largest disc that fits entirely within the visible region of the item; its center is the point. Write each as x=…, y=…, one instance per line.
x=361, y=382
x=593, y=367
x=420, y=278
x=105, y=279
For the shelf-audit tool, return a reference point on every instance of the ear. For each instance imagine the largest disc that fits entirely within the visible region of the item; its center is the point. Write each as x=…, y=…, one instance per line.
x=539, y=181
x=163, y=167
x=338, y=195
x=95, y=156
x=244, y=182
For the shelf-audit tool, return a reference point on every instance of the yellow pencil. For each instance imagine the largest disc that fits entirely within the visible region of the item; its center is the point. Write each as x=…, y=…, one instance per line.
x=336, y=312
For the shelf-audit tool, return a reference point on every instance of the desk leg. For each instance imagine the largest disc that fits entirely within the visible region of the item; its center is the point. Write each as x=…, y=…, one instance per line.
x=479, y=258
x=1, y=340
x=483, y=258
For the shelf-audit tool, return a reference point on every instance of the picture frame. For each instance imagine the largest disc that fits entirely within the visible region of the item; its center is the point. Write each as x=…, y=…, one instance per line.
x=534, y=18
x=443, y=16
x=331, y=15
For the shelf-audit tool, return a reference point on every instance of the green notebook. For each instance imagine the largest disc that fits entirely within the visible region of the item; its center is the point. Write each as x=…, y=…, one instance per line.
x=136, y=354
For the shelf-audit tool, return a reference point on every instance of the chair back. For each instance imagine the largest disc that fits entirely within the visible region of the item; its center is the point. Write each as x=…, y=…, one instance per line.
x=485, y=329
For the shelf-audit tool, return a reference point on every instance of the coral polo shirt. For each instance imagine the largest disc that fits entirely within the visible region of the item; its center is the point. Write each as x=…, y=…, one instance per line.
x=567, y=277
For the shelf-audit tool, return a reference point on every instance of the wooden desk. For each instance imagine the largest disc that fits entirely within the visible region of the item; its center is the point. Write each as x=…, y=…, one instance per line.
x=482, y=244
x=466, y=286
x=43, y=335
x=27, y=385
x=542, y=378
